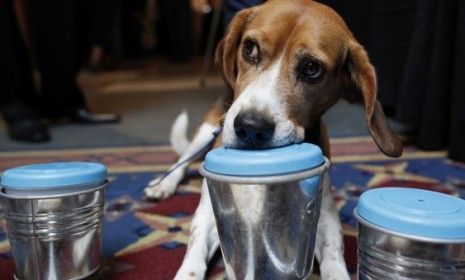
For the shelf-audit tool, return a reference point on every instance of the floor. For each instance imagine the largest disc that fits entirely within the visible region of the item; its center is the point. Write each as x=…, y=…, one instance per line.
x=149, y=94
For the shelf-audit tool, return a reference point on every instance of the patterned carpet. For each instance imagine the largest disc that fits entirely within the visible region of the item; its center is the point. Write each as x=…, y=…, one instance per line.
x=146, y=240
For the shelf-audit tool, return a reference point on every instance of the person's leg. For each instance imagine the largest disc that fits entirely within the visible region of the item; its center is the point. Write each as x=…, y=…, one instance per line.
x=15, y=72
x=99, y=37
x=55, y=30
x=102, y=23
x=17, y=94
x=175, y=16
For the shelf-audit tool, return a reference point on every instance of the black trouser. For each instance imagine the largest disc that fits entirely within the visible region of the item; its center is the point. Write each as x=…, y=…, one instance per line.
x=57, y=27
x=16, y=84
x=54, y=28
x=174, y=29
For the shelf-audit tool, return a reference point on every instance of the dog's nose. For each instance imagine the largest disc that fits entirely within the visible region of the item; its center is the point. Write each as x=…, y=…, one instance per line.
x=253, y=129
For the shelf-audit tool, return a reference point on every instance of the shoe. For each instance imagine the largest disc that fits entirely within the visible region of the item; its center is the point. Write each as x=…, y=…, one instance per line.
x=24, y=124
x=85, y=117
x=28, y=130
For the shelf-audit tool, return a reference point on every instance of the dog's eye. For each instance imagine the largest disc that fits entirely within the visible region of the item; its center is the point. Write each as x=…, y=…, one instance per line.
x=251, y=51
x=310, y=71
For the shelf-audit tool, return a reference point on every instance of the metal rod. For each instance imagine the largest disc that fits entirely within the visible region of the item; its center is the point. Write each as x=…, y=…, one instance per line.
x=210, y=43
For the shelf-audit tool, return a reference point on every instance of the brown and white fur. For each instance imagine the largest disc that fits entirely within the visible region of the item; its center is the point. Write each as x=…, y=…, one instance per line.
x=285, y=63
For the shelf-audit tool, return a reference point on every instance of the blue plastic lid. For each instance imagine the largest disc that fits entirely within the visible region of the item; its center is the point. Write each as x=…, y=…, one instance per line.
x=53, y=175
x=288, y=159
x=416, y=212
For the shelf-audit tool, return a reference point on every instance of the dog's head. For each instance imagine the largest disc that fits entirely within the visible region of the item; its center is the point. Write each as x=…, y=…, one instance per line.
x=286, y=62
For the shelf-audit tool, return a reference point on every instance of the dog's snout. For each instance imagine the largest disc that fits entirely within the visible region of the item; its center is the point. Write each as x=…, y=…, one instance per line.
x=253, y=129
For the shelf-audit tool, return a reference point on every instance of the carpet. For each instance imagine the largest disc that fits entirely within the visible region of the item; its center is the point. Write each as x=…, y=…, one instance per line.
x=147, y=240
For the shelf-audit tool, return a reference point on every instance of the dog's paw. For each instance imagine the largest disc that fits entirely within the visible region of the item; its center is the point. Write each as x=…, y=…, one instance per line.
x=333, y=270
x=194, y=272
x=164, y=187
x=160, y=188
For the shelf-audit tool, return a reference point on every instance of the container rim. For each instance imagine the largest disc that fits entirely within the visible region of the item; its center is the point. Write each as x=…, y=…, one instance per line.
x=44, y=194
x=366, y=223
x=267, y=179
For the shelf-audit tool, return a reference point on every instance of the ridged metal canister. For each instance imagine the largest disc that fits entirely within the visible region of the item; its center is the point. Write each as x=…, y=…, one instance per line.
x=410, y=234
x=266, y=204
x=54, y=219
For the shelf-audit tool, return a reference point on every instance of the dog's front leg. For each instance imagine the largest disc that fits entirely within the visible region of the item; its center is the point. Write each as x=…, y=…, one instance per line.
x=329, y=247
x=163, y=187
x=203, y=240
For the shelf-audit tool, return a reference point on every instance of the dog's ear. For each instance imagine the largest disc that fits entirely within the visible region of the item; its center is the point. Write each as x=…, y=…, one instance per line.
x=225, y=55
x=362, y=83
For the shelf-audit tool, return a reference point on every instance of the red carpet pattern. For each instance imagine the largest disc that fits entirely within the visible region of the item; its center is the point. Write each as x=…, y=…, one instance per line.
x=146, y=240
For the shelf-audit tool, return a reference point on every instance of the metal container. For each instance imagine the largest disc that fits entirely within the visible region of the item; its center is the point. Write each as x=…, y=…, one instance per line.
x=266, y=204
x=410, y=234
x=53, y=213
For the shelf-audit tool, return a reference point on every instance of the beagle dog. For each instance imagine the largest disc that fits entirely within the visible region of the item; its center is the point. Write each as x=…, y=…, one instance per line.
x=285, y=63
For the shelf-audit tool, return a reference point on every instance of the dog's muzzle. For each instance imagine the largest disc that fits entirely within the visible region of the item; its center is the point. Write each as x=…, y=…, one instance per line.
x=253, y=129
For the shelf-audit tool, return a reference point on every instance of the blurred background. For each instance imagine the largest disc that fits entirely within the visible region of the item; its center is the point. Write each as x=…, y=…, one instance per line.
x=131, y=66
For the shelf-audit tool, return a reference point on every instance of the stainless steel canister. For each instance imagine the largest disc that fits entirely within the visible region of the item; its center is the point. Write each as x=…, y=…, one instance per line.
x=54, y=219
x=410, y=234
x=266, y=205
